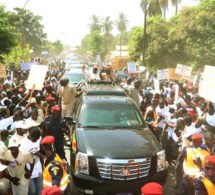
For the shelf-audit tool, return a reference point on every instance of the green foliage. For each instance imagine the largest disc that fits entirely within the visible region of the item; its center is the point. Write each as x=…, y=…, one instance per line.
x=84, y=45
x=187, y=38
x=58, y=47
x=95, y=24
x=136, y=43
x=30, y=26
x=16, y=55
x=8, y=35
x=96, y=45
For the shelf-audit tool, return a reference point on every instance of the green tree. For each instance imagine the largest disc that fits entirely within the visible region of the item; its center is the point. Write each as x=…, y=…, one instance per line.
x=84, y=47
x=107, y=25
x=121, y=24
x=58, y=47
x=164, y=6
x=96, y=45
x=151, y=7
x=175, y=3
x=29, y=26
x=136, y=43
x=158, y=47
x=8, y=35
x=95, y=24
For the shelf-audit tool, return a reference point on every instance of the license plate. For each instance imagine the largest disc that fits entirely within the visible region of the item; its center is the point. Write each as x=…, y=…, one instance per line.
x=124, y=194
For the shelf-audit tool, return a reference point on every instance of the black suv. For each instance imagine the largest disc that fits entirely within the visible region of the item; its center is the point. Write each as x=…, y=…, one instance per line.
x=113, y=152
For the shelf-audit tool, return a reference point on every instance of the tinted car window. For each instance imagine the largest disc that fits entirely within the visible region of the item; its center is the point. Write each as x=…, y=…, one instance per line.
x=75, y=78
x=112, y=115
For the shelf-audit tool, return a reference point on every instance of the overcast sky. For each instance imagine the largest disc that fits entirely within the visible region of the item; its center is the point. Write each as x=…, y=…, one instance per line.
x=67, y=20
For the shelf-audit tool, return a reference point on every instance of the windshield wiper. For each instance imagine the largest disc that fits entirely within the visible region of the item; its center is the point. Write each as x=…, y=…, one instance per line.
x=93, y=126
x=127, y=127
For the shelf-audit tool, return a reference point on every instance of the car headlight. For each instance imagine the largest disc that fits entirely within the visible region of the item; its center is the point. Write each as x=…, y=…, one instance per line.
x=161, y=161
x=81, y=163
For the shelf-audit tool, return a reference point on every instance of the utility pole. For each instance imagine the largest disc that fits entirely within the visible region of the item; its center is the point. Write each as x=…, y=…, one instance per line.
x=22, y=38
x=144, y=32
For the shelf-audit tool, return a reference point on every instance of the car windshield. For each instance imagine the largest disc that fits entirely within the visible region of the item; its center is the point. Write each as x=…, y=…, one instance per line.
x=111, y=116
x=74, y=78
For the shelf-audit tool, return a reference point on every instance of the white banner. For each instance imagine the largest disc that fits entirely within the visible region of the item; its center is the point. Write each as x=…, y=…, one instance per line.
x=162, y=74
x=207, y=83
x=132, y=67
x=37, y=77
x=157, y=85
x=183, y=70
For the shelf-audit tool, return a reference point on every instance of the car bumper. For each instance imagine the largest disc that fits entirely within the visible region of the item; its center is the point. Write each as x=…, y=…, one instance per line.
x=86, y=184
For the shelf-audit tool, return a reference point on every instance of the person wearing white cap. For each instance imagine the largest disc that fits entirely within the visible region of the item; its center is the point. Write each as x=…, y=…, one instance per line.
x=21, y=130
x=92, y=74
x=18, y=168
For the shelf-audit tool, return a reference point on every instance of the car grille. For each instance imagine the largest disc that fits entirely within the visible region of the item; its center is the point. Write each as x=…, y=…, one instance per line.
x=124, y=169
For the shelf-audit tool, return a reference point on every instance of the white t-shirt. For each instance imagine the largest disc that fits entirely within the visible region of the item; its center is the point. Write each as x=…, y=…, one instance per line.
x=27, y=145
x=191, y=130
x=17, y=137
x=19, y=170
x=162, y=112
x=90, y=75
x=210, y=119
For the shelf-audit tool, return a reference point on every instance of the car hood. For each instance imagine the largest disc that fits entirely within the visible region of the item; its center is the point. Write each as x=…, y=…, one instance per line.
x=120, y=144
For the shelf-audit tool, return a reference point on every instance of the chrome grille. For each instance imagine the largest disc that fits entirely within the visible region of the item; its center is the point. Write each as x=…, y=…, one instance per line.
x=124, y=169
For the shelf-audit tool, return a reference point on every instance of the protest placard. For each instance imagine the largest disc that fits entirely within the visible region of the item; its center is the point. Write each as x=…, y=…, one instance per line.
x=207, y=83
x=162, y=74
x=2, y=71
x=188, y=78
x=183, y=70
x=173, y=75
x=156, y=86
x=24, y=66
x=132, y=67
x=32, y=64
x=36, y=77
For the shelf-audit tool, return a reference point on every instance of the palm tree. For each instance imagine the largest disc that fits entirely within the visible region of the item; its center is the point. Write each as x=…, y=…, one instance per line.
x=121, y=24
x=96, y=24
x=107, y=25
x=175, y=3
x=164, y=6
x=154, y=7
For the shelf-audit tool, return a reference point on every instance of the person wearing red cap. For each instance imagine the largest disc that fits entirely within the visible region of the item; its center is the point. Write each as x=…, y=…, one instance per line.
x=152, y=188
x=54, y=126
x=193, y=162
x=50, y=93
x=54, y=173
x=204, y=183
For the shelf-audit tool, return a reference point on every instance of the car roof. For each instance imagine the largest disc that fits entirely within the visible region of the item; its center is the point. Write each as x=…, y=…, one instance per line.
x=104, y=88
x=104, y=99
x=73, y=71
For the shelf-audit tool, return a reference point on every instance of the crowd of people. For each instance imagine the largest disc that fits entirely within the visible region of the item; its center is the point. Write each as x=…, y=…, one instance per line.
x=32, y=155
x=184, y=124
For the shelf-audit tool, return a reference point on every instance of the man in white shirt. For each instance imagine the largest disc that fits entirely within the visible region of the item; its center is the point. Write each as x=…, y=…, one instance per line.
x=21, y=129
x=92, y=74
x=17, y=166
x=31, y=144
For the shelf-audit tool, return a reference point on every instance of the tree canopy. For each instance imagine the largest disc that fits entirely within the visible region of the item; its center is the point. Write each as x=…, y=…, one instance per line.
x=8, y=35
x=29, y=26
x=187, y=38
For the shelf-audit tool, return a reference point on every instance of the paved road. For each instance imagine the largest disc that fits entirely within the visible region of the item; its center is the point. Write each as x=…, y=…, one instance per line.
x=170, y=180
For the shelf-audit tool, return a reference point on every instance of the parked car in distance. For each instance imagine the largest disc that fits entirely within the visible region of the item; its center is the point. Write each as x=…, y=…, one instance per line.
x=75, y=76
